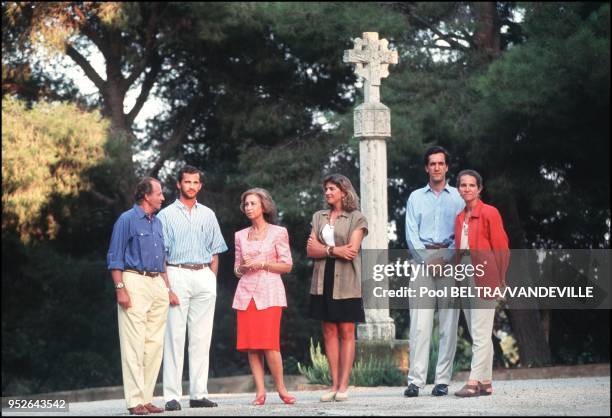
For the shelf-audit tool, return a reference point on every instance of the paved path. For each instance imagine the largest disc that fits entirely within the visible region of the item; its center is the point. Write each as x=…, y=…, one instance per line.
x=571, y=396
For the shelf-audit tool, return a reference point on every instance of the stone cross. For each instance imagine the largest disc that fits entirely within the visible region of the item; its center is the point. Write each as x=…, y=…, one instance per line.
x=372, y=125
x=371, y=57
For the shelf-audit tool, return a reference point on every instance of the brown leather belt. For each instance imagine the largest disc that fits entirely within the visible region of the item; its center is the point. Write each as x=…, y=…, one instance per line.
x=190, y=266
x=143, y=273
x=436, y=246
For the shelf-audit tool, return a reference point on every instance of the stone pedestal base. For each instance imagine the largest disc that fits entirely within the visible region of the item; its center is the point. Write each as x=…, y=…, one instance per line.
x=396, y=349
x=383, y=331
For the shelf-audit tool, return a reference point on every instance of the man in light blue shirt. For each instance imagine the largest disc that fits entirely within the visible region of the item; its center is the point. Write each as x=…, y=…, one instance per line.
x=192, y=239
x=430, y=226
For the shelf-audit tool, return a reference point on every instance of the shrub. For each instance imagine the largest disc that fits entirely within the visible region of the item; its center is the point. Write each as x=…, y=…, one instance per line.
x=319, y=371
x=369, y=372
x=376, y=372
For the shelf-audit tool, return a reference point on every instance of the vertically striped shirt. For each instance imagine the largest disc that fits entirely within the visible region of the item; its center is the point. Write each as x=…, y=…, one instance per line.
x=190, y=237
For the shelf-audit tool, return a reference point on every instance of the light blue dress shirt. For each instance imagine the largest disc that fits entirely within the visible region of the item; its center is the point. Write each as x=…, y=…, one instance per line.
x=191, y=237
x=430, y=219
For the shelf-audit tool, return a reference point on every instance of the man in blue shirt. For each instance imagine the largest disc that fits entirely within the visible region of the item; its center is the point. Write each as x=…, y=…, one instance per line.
x=192, y=240
x=430, y=223
x=136, y=261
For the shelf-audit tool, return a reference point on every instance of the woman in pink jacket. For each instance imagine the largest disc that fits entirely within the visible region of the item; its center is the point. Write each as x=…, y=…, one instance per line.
x=262, y=255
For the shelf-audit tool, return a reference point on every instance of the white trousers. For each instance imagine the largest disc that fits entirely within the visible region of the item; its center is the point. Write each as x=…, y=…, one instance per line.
x=197, y=293
x=141, y=336
x=421, y=327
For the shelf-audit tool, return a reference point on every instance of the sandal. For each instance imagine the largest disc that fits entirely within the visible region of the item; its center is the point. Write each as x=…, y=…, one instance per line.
x=468, y=391
x=486, y=389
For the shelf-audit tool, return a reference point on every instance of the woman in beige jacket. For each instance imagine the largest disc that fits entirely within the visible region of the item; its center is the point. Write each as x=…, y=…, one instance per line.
x=335, y=292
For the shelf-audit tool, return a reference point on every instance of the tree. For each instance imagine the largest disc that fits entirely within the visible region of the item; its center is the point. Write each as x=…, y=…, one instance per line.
x=52, y=271
x=504, y=116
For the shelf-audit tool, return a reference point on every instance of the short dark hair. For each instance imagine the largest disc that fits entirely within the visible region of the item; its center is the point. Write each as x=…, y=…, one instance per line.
x=472, y=173
x=436, y=149
x=144, y=187
x=188, y=169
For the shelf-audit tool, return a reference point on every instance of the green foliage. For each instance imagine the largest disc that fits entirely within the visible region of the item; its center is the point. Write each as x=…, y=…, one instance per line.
x=376, y=372
x=290, y=365
x=365, y=372
x=46, y=152
x=318, y=372
x=463, y=355
x=59, y=321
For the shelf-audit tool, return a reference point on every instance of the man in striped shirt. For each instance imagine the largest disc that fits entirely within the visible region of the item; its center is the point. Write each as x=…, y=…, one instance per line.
x=192, y=239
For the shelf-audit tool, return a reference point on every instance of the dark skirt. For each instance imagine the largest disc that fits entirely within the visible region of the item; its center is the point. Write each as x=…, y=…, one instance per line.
x=325, y=308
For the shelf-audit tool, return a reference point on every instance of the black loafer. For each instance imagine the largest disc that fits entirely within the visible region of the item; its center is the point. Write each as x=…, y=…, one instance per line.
x=201, y=403
x=440, y=390
x=411, y=391
x=173, y=405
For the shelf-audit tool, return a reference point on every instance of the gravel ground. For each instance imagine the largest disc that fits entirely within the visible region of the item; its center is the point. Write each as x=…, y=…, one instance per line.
x=573, y=396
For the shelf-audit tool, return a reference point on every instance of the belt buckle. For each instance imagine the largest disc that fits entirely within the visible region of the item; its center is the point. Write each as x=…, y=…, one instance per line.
x=195, y=266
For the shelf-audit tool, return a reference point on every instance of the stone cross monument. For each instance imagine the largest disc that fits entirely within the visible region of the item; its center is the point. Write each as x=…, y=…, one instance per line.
x=372, y=124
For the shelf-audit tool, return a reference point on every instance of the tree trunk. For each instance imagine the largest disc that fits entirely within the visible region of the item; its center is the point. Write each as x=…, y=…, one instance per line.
x=487, y=35
x=527, y=325
x=123, y=137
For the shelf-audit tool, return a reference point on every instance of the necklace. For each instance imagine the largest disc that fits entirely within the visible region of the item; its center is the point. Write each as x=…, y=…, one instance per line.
x=335, y=218
x=258, y=235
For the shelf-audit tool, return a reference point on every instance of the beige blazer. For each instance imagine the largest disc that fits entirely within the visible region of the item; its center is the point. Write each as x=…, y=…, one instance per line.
x=347, y=281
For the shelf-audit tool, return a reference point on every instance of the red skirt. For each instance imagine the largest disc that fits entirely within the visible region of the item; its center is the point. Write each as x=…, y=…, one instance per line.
x=258, y=329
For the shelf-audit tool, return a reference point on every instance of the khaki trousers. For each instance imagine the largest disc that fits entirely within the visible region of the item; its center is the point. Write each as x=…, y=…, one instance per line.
x=141, y=335
x=479, y=315
x=422, y=311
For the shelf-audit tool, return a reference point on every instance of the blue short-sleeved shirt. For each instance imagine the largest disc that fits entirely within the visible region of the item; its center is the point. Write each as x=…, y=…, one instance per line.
x=137, y=242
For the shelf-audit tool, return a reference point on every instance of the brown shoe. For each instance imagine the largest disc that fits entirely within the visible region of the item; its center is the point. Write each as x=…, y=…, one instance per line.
x=138, y=410
x=153, y=409
x=485, y=389
x=468, y=391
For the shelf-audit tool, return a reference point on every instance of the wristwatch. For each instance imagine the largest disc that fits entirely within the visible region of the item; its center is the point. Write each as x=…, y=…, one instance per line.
x=119, y=285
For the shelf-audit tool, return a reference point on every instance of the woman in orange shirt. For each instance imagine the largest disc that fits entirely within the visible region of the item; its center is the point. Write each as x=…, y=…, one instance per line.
x=479, y=228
